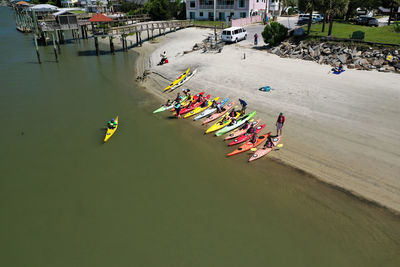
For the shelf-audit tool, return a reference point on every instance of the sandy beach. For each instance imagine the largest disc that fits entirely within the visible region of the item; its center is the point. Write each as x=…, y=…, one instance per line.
x=343, y=129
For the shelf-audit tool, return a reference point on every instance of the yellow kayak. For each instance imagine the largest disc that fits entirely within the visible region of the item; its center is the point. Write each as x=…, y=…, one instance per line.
x=177, y=80
x=200, y=109
x=110, y=132
x=221, y=123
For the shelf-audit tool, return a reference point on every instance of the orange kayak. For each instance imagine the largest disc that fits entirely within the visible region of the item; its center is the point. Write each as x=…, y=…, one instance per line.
x=249, y=145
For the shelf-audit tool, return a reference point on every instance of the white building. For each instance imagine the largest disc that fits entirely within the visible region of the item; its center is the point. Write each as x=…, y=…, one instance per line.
x=94, y=6
x=275, y=7
x=69, y=3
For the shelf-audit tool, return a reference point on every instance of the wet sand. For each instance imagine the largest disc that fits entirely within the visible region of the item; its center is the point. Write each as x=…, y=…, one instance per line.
x=343, y=129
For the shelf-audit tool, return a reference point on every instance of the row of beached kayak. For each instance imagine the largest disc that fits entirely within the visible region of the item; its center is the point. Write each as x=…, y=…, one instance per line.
x=184, y=77
x=200, y=107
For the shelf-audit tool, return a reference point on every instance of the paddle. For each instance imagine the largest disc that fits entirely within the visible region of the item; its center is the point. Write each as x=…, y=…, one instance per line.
x=276, y=148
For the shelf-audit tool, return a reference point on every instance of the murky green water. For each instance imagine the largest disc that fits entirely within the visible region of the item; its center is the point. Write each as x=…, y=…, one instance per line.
x=159, y=193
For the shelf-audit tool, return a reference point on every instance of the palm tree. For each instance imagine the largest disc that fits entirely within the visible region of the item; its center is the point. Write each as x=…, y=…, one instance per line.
x=99, y=4
x=307, y=5
x=336, y=8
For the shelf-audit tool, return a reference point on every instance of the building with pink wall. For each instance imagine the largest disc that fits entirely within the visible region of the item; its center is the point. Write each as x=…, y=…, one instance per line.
x=234, y=9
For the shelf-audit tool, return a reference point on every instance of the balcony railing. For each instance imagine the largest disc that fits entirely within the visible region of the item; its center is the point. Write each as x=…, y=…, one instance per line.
x=218, y=6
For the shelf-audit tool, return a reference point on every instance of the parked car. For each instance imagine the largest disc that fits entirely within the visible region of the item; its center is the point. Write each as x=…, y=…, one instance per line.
x=304, y=18
x=318, y=17
x=234, y=34
x=367, y=21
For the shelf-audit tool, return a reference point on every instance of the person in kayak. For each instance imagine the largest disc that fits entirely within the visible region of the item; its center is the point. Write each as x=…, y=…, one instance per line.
x=269, y=143
x=204, y=104
x=233, y=113
x=245, y=125
x=112, y=124
x=169, y=102
x=251, y=130
x=187, y=93
x=224, y=120
x=218, y=106
x=279, y=124
x=253, y=138
x=177, y=107
x=233, y=121
x=200, y=99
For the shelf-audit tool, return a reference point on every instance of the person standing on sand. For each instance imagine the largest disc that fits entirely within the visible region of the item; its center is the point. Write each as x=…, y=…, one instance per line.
x=255, y=39
x=279, y=124
x=244, y=105
x=178, y=107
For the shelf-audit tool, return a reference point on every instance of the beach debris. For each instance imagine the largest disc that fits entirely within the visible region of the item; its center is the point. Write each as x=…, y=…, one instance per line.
x=143, y=77
x=364, y=58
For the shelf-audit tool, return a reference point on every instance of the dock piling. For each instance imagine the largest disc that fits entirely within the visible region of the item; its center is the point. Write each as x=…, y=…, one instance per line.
x=37, y=49
x=54, y=46
x=112, y=45
x=96, y=45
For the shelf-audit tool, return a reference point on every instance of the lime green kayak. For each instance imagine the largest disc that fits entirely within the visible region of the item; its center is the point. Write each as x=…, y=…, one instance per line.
x=239, y=123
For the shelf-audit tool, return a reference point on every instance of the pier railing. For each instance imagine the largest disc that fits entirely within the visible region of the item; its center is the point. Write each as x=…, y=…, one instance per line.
x=149, y=26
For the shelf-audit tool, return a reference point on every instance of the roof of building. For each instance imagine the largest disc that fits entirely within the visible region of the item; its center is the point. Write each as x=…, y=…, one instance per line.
x=100, y=18
x=43, y=8
x=62, y=12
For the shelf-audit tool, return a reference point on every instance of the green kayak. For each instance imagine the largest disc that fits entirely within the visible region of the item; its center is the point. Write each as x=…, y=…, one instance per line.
x=239, y=123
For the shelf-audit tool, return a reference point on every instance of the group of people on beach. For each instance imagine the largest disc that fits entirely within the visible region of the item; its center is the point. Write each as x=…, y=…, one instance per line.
x=231, y=116
x=269, y=143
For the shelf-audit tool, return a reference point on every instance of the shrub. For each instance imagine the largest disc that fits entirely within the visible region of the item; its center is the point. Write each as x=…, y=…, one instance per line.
x=274, y=33
x=397, y=26
x=291, y=11
x=358, y=35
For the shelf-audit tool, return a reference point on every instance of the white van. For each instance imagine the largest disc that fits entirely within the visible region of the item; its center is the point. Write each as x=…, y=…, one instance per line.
x=233, y=34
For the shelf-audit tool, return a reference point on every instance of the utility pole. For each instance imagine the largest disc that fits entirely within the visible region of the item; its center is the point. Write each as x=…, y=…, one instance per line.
x=215, y=9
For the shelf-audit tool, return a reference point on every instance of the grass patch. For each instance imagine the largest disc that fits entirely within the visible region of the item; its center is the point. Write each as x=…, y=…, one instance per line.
x=78, y=11
x=385, y=34
x=211, y=23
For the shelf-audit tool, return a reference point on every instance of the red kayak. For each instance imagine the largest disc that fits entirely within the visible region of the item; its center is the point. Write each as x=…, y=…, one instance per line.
x=193, y=106
x=245, y=137
x=241, y=131
x=194, y=98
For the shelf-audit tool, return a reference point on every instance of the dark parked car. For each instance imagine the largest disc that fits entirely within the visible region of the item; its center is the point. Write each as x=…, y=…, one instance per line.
x=367, y=21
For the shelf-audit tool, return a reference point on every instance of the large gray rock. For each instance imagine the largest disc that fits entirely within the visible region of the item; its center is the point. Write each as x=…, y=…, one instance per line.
x=308, y=57
x=342, y=58
x=326, y=51
x=276, y=51
x=299, y=32
x=317, y=51
x=378, y=62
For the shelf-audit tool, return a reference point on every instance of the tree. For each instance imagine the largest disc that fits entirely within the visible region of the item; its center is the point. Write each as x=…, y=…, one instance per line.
x=159, y=9
x=336, y=8
x=307, y=6
x=274, y=33
x=394, y=5
x=99, y=4
x=365, y=4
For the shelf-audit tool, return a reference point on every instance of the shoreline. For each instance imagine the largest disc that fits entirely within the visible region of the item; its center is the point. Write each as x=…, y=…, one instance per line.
x=147, y=54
